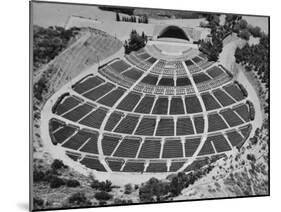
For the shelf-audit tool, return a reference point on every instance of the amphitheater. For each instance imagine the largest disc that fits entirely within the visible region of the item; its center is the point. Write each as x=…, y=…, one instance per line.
x=162, y=109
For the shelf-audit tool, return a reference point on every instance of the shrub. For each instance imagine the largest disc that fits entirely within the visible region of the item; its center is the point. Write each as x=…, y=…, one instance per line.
x=178, y=183
x=72, y=183
x=103, y=195
x=56, y=182
x=79, y=199
x=38, y=203
x=245, y=34
x=153, y=190
x=135, y=42
x=136, y=187
x=102, y=202
x=103, y=186
x=38, y=175
x=243, y=24
x=255, y=31
x=58, y=164
x=251, y=157
x=118, y=201
x=128, y=189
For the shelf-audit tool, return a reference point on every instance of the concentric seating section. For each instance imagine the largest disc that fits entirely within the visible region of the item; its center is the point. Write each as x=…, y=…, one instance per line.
x=183, y=81
x=157, y=166
x=215, y=71
x=134, y=74
x=165, y=127
x=197, y=164
x=190, y=145
x=115, y=164
x=112, y=97
x=230, y=117
x=65, y=103
x=128, y=124
x=146, y=126
x=129, y=102
x=95, y=118
x=77, y=140
x=145, y=104
x=172, y=148
x=223, y=97
x=128, y=147
x=73, y=155
x=87, y=83
x=234, y=137
x=199, y=123
x=150, y=79
x=143, y=55
x=207, y=148
x=184, y=126
x=115, y=77
x=139, y=61
x=177, y=106
x=216, y=122
x=91, y=145
x=166, y=81
x=206, y=64
x=152, y=60
x=109, y=142
x=92, y=162
x=200, y=78
x=243, y=111
x=134, y=166
x=100, y=91
x=119, y=66
x=192, y=104
x=192, y=68
x=210, y=102
x=113, y=120
x=55, y=124
x=245, y=130
x=121, y=73
x=62, y=134
x=212, y=78
x=150, y=148
x=168, y=67
x=161, y=105
x=234, y=91
x=220, y=143
x=79, y=112
x=176, y=165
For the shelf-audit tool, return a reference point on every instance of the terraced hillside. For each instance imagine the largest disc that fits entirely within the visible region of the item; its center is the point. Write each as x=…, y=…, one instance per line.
x=92, y=46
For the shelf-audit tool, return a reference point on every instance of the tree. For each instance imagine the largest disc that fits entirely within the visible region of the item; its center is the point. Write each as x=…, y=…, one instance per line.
x=231, y=21
x=56, y=182
x=245, y=34
x=58, y=164
x=135, y=42
x=256, y=58
x=103, y=195
x=243, y=24
x=72, y=183
x=128, y=189
x=255, y=31
x=236, y=28
x=153, y=190
x=117, y=17
x=79, y=199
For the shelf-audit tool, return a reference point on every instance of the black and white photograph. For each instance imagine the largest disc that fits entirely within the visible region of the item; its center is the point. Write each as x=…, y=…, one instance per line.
x=134, y=105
